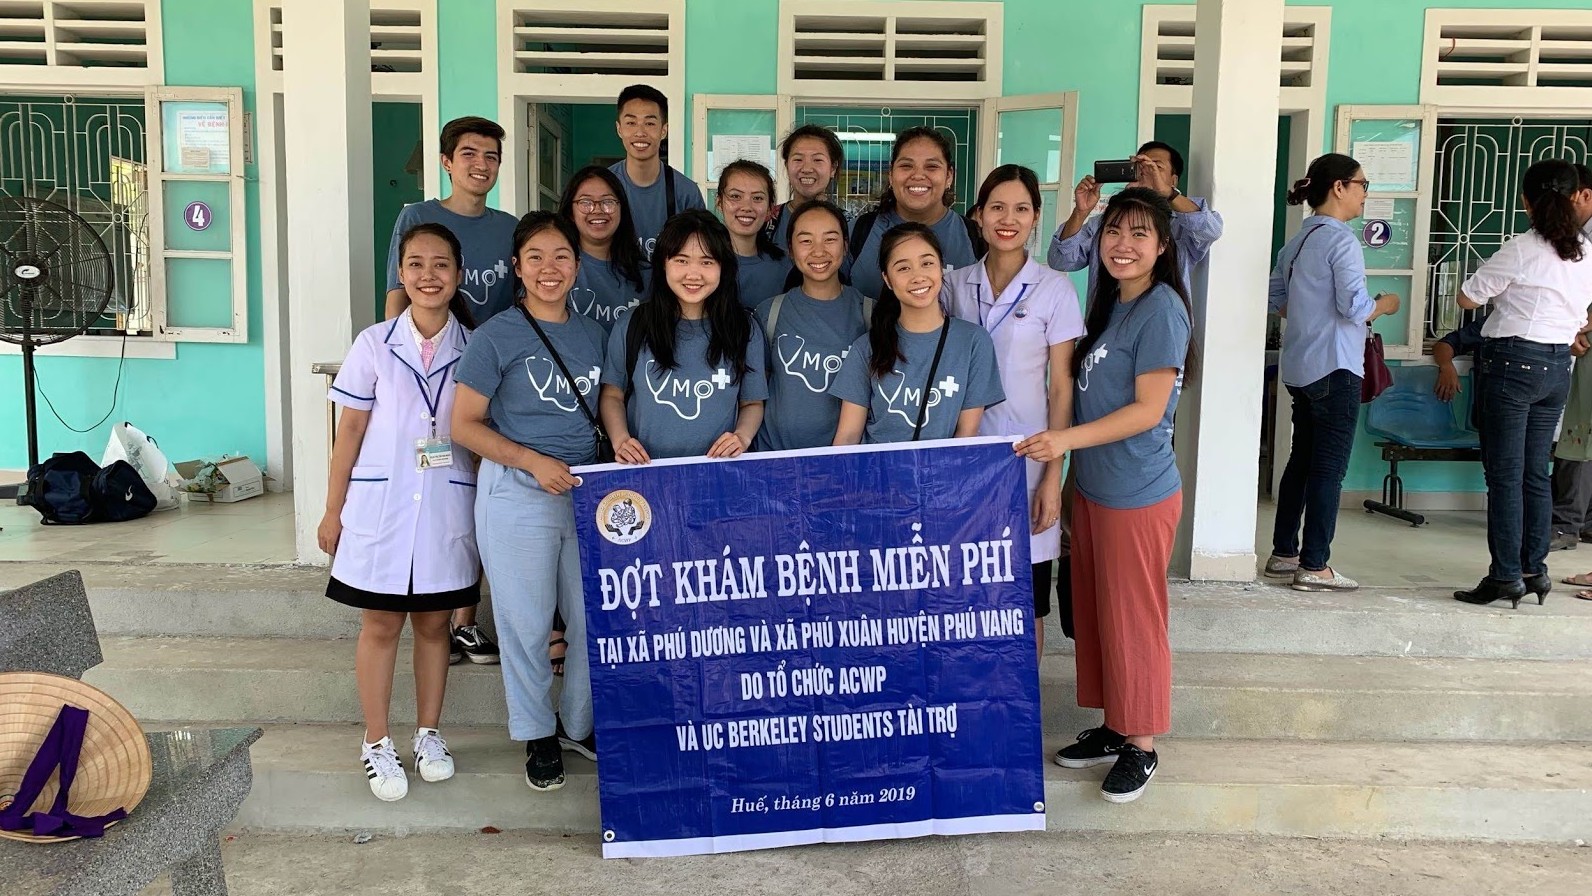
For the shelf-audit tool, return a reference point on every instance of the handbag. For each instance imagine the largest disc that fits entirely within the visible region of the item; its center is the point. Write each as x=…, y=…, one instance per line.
x=1378, y=378
x=605, y=447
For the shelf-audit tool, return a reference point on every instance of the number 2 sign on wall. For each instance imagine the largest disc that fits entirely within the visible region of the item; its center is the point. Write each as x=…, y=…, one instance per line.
x=1377, y=233
x=197, y=216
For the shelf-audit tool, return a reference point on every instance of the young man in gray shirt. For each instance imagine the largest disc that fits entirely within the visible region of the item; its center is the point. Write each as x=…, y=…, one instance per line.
x=655, y=191
x=472, y=150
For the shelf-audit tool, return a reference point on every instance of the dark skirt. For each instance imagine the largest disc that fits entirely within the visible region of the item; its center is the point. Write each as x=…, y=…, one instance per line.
x=344, y=593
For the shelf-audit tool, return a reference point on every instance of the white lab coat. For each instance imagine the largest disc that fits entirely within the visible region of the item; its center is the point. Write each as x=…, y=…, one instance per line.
x=395, y=512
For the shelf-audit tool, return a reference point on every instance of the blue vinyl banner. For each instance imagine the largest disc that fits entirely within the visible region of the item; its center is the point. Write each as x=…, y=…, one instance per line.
x=812, y=646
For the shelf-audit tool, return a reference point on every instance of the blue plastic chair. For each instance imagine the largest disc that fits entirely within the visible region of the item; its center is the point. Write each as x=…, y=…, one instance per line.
x=1412, y=424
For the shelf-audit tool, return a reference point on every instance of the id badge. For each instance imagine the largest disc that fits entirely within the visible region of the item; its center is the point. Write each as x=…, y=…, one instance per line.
x=431, y=453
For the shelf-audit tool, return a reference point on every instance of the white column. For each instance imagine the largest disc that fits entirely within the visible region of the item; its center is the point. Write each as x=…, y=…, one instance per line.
x=326, y=140
x=1232, y=158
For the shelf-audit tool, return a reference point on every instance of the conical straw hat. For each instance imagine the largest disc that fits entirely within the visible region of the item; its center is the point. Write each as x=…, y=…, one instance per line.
x=113, y=769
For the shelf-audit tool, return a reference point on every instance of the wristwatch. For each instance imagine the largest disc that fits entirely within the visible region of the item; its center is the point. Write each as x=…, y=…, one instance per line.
x=1175, y=193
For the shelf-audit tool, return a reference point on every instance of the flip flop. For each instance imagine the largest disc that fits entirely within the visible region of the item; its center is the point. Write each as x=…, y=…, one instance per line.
x=1584, y=595
x=1584, y=580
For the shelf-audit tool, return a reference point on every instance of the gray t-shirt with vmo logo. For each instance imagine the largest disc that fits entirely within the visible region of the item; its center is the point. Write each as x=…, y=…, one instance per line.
x=488, y=242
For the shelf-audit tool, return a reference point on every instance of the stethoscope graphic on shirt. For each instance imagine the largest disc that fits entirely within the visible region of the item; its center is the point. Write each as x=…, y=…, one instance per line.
x=1018, y=308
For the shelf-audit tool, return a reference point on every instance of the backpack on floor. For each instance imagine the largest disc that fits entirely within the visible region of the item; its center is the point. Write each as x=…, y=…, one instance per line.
x=70, y=489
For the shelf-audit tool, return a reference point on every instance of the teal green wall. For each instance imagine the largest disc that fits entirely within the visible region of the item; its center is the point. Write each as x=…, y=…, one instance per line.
x=211, y=398
x=467, y=64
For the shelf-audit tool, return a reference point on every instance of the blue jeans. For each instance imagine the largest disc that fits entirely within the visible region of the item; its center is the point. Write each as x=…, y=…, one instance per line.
x=1523, y=394
x=527, y=540
x=1326, y=414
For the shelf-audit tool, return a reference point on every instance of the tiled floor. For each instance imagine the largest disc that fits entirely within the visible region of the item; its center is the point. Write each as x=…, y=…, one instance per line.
x=256, y=530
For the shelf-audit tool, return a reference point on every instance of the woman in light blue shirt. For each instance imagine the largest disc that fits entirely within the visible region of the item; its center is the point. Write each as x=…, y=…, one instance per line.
x=1319, y=286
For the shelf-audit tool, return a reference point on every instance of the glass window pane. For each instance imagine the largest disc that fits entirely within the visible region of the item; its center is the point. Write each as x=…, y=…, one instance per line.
x=1389, y=151
x=199, y=292
x=198, y=215
x=1395, y=327
x=196, y=138
x=1033, y=138
x=740, y=134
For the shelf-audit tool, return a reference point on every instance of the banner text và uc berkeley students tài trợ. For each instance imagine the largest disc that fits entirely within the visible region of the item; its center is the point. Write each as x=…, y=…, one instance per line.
x=811, y=646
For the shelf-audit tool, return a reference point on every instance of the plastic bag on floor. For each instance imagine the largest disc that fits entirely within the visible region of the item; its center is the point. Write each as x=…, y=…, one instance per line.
x=131, y=444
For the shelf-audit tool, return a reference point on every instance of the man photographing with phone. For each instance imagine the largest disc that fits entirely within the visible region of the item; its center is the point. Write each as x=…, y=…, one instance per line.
x=1158, y=167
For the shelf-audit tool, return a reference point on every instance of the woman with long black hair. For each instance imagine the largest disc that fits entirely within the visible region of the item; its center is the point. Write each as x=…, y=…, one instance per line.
x=1128, y=369
x=1538, y=286
x=684, y=370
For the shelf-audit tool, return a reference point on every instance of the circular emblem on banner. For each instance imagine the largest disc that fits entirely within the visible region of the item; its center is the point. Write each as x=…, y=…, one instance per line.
x=1377, y=233
x=197, y=216
x=624, y=517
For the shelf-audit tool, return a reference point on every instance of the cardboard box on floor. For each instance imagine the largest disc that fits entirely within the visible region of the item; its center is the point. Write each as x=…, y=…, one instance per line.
x=237, y=477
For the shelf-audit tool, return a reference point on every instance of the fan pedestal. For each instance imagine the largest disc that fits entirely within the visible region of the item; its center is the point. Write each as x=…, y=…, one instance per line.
x=13, y=491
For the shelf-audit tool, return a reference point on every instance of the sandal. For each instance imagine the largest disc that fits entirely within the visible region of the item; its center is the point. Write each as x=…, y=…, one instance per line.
x=1584, y=580
x=1584, y=595
x=557, y=661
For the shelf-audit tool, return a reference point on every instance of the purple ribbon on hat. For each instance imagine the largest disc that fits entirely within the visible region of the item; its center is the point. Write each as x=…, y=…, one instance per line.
x=60, y=748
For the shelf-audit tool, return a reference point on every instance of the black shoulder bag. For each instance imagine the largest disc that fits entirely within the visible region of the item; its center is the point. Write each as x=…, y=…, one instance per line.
x=928, y=387
x=605, y=448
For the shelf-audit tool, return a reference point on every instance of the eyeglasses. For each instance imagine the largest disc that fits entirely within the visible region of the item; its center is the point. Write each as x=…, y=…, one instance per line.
x=1361, y=181
x=587, y=206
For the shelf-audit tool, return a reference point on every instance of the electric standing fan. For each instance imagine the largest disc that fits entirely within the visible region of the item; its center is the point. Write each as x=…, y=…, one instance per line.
x=56, y=278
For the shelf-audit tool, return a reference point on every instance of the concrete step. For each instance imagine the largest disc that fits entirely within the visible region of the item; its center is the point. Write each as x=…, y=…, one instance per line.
x=306, y=777
x=287, y=602
x=1214, y=695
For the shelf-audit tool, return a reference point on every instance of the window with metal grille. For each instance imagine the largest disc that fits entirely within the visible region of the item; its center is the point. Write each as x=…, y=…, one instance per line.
x=87, y=154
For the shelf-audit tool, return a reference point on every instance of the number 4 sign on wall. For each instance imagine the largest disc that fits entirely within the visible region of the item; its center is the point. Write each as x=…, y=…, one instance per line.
x=197, y=216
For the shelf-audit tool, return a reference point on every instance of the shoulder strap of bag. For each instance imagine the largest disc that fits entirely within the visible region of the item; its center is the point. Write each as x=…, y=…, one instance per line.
x=562, y=368
x=923, y=399
x=773, y=318
x=668, y=188
x=633, y=338
x=1295, y=260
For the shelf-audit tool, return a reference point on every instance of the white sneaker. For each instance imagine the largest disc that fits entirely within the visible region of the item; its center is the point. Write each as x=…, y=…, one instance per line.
x=432, y=759
x=386, y=773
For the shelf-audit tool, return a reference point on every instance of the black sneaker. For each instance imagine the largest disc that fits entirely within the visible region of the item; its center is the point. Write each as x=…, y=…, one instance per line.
x=477, y=647
x=1132, y=773
x=1097, y=746
x=455, y=649
x=586, y=746
x=544, y=764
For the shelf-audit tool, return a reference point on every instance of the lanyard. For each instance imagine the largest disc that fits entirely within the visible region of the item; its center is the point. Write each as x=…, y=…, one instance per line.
x=1009, y=309
x=432, y=401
